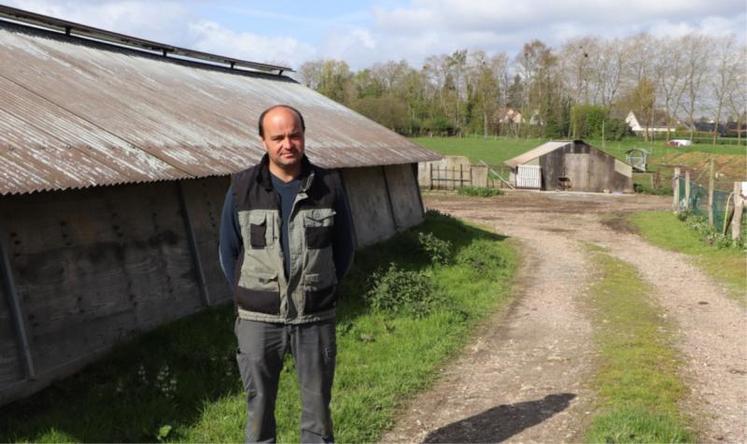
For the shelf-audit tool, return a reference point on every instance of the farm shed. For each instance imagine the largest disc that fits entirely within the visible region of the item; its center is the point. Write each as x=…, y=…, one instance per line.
x=115, y=156
x=570, y=165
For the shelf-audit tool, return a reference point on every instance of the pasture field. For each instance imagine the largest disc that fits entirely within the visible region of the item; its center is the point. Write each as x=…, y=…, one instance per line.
x=181, y=383
x=731, y=160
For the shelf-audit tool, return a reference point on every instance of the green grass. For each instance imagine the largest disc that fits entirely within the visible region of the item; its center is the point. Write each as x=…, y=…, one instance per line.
x=382, y=359
x=492, y=151
x=479, y=192
x=637, y=378
x=495, y=150
x=726, y=265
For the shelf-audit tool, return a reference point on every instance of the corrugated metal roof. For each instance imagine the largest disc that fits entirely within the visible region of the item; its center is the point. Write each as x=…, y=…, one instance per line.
x=536, y=152
x=76, y=114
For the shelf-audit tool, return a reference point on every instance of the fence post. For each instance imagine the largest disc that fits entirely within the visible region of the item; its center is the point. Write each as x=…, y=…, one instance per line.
x=736, y=222
x=461, y=175
x=687, y=189
x=676, y=190
x=430, y=165
x=17, y=313
x=711, y=175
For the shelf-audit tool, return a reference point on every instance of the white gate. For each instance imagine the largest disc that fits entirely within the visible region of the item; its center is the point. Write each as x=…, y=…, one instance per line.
x=529, y=176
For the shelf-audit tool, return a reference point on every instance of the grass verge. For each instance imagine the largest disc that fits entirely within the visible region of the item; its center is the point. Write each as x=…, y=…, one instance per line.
x=637, y=378
x=726, y=265
x=180, y=382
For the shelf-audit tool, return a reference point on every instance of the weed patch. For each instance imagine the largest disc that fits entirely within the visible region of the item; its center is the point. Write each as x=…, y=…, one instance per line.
x=438, y=250
x=401, y=291
x=479, y=191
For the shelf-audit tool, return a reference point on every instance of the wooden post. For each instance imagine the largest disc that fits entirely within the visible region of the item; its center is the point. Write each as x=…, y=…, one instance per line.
x=461, y=175
x=389, y=199
x=430, y=175
x=687, y=189
x=676, y=191
x=736, y=222
x=16, y=309
x=711, y=177
x=193, y=249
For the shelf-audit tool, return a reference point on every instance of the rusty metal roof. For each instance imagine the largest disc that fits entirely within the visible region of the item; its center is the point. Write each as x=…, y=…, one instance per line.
x=77, y=113
x=536, y=152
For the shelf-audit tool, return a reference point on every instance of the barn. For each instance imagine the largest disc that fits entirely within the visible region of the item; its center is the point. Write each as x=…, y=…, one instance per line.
x=570, y=165
x=115, y=155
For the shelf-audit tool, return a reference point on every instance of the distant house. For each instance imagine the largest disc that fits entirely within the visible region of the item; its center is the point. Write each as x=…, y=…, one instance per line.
x=728, y=129
x=709, y=126
x=570, y=165
x=508, y=116
x=659, y=124
x=734, y=129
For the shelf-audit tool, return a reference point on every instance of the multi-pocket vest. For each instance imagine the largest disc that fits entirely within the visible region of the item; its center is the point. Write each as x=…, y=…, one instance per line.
x=262, y=290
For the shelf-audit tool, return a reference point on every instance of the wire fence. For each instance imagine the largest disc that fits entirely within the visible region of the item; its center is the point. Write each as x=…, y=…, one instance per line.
x=695, y=200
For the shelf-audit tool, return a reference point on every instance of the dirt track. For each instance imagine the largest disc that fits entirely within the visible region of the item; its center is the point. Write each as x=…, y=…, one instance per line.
x=523, y=379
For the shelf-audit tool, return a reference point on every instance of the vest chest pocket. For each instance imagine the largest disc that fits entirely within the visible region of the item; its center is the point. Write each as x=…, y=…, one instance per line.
x=318, y=227
x=258, y=231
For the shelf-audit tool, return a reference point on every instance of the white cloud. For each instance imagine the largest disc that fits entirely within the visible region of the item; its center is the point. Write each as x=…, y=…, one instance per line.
x=505, y=25
x=156, y=20
x=211, y=37
x=172, y=22
x=399, y=29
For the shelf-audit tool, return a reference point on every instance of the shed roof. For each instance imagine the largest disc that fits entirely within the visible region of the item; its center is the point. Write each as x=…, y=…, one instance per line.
x=77, y=113
x=536, y=152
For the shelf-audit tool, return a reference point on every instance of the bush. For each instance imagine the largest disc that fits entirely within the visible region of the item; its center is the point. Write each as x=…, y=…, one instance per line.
x=437, y=250
x=403, y=292
x=481, y=257
x=479, y=191
x=437, y=215
x=709, y=234
x=644, y=188
x=591, y=121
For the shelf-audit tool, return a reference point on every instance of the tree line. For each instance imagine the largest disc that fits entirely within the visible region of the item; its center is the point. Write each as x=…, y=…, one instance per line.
x=584, y=88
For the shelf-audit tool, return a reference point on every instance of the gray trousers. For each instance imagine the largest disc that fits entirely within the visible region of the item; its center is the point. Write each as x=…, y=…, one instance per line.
x=262, y=346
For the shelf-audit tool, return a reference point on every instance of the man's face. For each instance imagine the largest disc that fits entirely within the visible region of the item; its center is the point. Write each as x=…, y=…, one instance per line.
x=283, y=138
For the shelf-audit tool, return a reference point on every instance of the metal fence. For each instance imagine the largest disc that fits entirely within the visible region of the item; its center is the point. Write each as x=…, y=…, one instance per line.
x=437, y=177
x=692, y=196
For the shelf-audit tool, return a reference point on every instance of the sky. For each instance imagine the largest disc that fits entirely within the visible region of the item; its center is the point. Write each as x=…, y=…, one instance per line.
x=365, y=32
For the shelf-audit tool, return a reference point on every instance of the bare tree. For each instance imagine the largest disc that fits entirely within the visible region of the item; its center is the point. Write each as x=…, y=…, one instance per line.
x=311, y=73
x=696, y=48
x=669, y=71
x=577, y=67
x=457, y=64
x=738, y=95
x=724, y=80
x=609, y=71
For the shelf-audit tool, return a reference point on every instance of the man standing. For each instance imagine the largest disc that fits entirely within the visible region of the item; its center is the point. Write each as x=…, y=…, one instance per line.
x=285, y=242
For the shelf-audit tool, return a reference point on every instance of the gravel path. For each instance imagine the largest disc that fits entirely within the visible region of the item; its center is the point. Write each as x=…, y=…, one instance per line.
x=523, y=378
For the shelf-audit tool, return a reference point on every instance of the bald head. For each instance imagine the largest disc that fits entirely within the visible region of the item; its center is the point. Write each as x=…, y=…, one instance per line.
x=264, y=114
